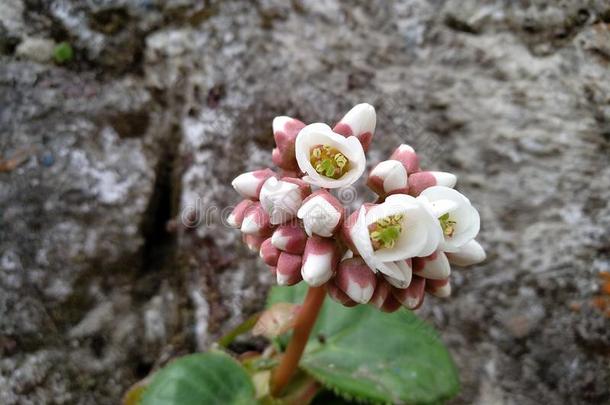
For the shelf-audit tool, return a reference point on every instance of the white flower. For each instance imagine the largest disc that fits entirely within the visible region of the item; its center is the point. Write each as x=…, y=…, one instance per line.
x=459, y=220
x=339, y=161
x=281, y=199
x=415, y=232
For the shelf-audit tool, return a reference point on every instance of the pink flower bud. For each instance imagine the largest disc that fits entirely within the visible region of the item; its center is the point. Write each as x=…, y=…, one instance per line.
x=420, y=181
x=439, y=288
x=322, y=214
x=256, y=221
x=249, y=184
x=382, y=290
x=319, y=260
x=339, y=296
x=436, y=266
x=469, y=254
x=407, y=156
x=304, y=187
x=289, y=238
x=237, y=215
x=360, y=122
x=253, y=241
x=356, y=280
x=388, y=177
x=285, y=131
x=413, y=296
x=390, y=304
x=269, y=253
x=288, y=269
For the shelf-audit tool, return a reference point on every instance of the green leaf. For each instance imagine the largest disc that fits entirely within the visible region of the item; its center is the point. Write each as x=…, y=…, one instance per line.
x=363, y=353
x=201, y=379
x=63, y=52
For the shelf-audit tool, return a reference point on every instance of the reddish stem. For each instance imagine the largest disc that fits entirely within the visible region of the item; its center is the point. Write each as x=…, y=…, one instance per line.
x=306, y=319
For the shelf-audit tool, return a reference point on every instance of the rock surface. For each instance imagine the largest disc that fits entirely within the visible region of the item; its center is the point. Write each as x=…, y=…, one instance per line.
x=116, y=167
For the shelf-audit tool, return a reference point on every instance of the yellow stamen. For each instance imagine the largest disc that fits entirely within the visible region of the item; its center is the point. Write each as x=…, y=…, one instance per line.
x=385, y=232
x=329, y=161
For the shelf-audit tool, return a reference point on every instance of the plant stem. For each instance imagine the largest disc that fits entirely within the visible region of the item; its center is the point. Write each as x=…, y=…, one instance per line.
x=306, y=319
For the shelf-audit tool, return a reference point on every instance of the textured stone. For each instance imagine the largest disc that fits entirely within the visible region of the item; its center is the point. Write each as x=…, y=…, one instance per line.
x=113, y=252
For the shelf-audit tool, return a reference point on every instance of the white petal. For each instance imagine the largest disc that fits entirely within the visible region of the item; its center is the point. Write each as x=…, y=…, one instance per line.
x=406, y=274
x=417, y=225
x=445, y=179
x=393, y=173
x=361, y=119
x=469, y=254
x=317, y=269
x=321, y=134
x=466, y=217
x=436, y=268
x=280, y=199
x=246, y=184
x=249, y=225
x=359, y=234
x=279, y=241
x=319, y=217
x=280, y=122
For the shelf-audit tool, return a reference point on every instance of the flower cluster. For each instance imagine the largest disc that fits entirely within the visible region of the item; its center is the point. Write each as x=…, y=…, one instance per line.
x=388, y=253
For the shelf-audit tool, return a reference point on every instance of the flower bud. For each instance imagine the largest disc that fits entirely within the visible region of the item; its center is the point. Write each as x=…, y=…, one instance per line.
x=469, y=254
x=360, y=122
x=436, y=266
x=439, y=288
x=288, y=269
x=285, y=131
x=382, y=290
x=390, y=304
x=406, y=155
x=289, y=238
x=319, y=260
x=321, y=213
x=356, y=280
x=388, y=177
x=281, y=199
x=420, y=181
x=339, y=296
x=249, y=184
x=253, y=242
x=256, y=221
x=413, y=296
x=406, y=273
x=269, y=253
x=237, y=215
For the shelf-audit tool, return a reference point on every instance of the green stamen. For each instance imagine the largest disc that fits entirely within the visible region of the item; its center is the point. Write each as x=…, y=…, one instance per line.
x=447, y=225
x=328, y=161
x=385, y=232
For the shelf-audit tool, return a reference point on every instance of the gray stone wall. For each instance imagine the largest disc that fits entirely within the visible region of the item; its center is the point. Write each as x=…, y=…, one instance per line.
x=106, y=269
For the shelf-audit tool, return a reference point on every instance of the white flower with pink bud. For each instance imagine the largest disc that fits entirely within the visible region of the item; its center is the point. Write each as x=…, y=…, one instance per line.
x=388, y=253
x=328, y=159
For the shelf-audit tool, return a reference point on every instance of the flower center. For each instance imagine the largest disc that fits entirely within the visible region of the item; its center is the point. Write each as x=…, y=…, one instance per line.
x=385, y=232
x=328, y=161
x=447, y=225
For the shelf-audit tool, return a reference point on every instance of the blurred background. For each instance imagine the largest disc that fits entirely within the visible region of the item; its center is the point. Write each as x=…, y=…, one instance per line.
x=122, y=123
